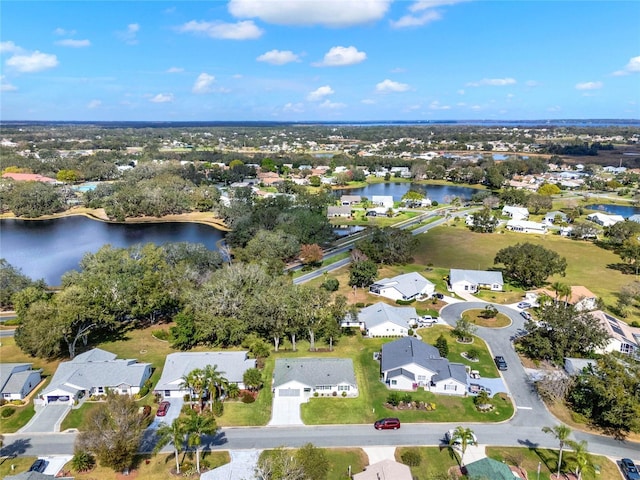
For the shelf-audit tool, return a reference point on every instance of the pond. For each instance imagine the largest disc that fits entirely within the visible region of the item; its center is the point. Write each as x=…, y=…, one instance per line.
x=48, y=248
x=625, y=210
x=440, y=193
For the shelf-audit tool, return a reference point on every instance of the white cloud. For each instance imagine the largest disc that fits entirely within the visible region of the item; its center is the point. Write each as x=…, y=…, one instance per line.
x=476, y=107
x=461, y=92
x=417, y=20
x=246, y=30
x=175, y=70
x=435, y=105
x=64, y=33
x=70, y=42
x=162, y=98
x=632, y=67
x=94, y=104
x=129, y=36
x=387, y=86
x=426, y=4
x=6, y=87
x=555, y=108
x=493, y=82
x=368, y=101
x=278, y=57
x=343, y=13
x=589, y=85
x=532, y=83
x=203, y=83
x=34, y=62
x=329, y=105
x=320, y=93
x=9, y=47
x=341, y=57
x=293, y=107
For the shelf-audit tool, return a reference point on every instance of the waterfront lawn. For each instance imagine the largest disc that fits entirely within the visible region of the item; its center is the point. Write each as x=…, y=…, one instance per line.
x=436, y=462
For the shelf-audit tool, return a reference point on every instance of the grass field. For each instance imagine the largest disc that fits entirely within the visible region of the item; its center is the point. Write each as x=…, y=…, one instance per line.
x=436, y=461
x=499, y=321
x=340, y=459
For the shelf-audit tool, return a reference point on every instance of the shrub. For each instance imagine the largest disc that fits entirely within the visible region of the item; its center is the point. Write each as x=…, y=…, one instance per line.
x=146, y=387
x=17, y=402
x=635, y=323
x=411, y=457
x=482, y=398
x=434, y=203
x=316, y=394
x=410, y=332
x=217, y=408
x=405, y=302
x=146, y=411
x=247, y=398
x=82, y=461
x=394, y=398
x=331, y=284
x=360, y=305
x=406, y=398
x=473, y=354
x=442, y=345
x=161, y=334
x=344, y=394
x=335, y=394
x=7, y=412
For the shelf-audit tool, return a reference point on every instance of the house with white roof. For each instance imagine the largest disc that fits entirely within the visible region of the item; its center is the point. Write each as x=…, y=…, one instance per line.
x=382, y=320
x=17, y=380
x=516, y=213
x=526, y=226
x=474, y=280
x=605, y=220
x=623, y=338
x=348, y=200
x=231, y=365
x=409, y=363
x=556, y=215
x=94, y=373
x=385, y=201
x=306, y=377
x=403, y=287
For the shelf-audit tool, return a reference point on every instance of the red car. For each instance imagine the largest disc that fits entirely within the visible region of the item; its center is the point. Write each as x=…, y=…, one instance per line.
x=163, y=408
x=387, y=424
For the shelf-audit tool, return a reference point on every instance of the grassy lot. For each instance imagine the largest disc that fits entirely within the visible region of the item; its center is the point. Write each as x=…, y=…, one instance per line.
x=77, y=416
x=457, y=247
x=20, y=464
x=339, y=461
x=528, y=459
x=369, y=405
x=435, y=461
x=499, y=321
x=19, y=419
x=510, y=295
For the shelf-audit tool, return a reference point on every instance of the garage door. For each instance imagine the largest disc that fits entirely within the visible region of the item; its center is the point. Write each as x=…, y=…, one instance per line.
x=289, y=392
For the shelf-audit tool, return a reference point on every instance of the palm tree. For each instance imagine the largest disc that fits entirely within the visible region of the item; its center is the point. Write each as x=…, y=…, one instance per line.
x=192, y=381
x=463, y=436
x=559, y=288
x=213, y=381
x=561, y=433
x=582, y=456
x=173, y=434
x=197, y=426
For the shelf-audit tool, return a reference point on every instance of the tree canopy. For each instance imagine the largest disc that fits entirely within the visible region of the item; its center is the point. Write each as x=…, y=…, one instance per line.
x=529, y=265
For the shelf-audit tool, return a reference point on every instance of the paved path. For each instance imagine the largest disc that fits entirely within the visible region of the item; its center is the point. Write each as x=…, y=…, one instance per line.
x=377, y=454
x=286, y=410
x=47, y=419
x=242, y=467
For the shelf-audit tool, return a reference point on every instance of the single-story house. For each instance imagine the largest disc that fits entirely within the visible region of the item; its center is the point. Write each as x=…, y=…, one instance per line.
x=382, y=320
x=348, y=200
x=489, y=468
x=409, y=363
x=634, y=218
x=551, y=217
x=623, y=338
x=403, y=287
x=341, y=211
x=473, y=280
x=575, y=366
x=35, y=476
x=516, y=213
x=17, y=380
x=385, y=201
x=306, y=377
x=605, y=220
x=525, y=226
x=94, y=373
x=385, y=470
x=30, y=177
x=231, y=365
x=581, y=297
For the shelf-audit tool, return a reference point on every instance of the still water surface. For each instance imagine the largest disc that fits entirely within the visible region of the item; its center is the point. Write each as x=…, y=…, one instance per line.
x=440, y=193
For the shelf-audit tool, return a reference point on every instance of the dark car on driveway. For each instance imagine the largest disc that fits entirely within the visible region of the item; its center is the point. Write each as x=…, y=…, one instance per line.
x=629, y=469
x=163, y=408
x=387, y=424
x=38, y=466
x=501, y=363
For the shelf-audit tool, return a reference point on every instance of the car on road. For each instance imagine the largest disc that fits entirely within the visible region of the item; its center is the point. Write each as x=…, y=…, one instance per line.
x=163, y=408
x=524, y=305
x=451, y=434
x=387, y=424
x=629, y=469
x=38, y=466
x=501, y=363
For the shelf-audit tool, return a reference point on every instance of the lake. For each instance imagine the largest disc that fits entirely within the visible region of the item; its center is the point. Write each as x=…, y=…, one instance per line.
x=48, y=248
x=625, y=210
x=440, y=193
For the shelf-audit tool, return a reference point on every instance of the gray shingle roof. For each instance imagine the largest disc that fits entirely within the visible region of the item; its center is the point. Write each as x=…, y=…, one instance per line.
x=445, y=370
x=408, y=284
x=233, y=364
x=314, y=371
x=406, y=350
x=17, y=381
x=479, y=277
x=380, y=312
x=401, y=372
x=6, y=369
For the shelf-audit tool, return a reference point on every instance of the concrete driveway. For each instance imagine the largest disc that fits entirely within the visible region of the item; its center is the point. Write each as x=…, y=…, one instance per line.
x=172, y=413
x=242, y=466
x=286, y=410
x=47, y=419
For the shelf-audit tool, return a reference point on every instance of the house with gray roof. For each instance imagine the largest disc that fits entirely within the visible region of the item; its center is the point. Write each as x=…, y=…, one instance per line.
x=409, y=363
x=382, y=320
x=341, y=211
x=474, y=280
x=94, y=373
x=349, y=200
x=514, y=212
x=385, y=470
x=17, y=380
x=232, y=366
x=403, y=287
x=306, y=377
x=556, y=215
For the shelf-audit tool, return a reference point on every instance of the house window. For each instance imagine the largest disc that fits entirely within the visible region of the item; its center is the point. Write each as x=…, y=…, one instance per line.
x=626, y=348
x=323, y=387
x=450, y=387
x=343, y=388
x=100, y=389
x=422, y=378
x=394, y=382
x=167, y=393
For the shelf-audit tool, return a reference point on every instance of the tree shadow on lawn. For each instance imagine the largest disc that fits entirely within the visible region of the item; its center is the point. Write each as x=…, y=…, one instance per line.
x=625, y=268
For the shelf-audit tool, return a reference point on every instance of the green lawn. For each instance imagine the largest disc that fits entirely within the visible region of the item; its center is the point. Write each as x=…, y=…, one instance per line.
x=435, y=461
x=340, y=459
x=18, y=419
x=19, y=464
x=76, y=418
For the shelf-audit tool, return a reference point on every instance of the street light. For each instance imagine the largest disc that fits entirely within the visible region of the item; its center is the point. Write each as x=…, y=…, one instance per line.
x=539, y=465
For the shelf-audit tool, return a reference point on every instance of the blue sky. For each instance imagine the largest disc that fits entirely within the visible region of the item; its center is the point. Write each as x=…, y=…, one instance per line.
x=294, y=60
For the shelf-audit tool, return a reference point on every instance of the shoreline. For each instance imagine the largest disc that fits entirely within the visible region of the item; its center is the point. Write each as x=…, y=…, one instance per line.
x=100, y=216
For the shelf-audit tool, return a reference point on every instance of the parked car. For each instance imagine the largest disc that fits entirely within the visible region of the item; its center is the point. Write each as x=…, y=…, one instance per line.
x=477, y=388
x=38, y=466
x=439, y=296
x=501, y=363
x=163, y=408
x=629, y=469
x=524, y=305
x=387, y=424
x=526, y=315
x=449, y=435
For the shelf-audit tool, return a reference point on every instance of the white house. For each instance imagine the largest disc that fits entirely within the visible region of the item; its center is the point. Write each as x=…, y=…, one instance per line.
x=473, y=280
x=306, y=377
x=348, y=200
x=551, y=217
x=341, y=211
x=385, y=201
x=409, y=363
x=231, y=365
x=516, y=213
x=581, y=297
x=17, y=380
x=622, y=337
x=403, y=287
x=605, y=220
x=525, y=226
x=94, y=373
x=382, y=320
